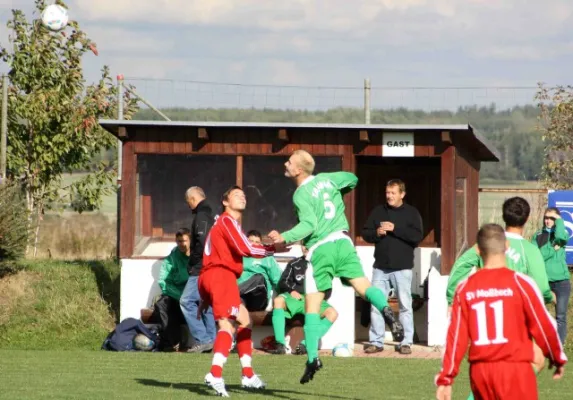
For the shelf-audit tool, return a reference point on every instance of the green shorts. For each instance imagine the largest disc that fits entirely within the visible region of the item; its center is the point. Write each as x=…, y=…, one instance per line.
x=331, y=258
x=296, y=307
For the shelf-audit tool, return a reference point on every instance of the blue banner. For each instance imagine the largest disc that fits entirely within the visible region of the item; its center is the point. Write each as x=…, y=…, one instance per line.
x=563, y=200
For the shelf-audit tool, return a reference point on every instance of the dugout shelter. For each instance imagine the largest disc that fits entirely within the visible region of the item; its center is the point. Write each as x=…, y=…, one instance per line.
x=439, y=164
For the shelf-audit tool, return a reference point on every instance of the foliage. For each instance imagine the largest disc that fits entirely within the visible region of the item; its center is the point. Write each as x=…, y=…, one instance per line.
x=512, y=131
x=53, y=115
x=13, y=227
x=556, y=124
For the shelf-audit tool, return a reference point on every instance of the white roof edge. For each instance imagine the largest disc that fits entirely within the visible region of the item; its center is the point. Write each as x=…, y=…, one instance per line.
x=206, y=124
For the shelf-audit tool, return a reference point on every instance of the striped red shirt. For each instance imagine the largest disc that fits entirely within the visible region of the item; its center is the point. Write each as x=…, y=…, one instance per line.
x=226, y=246
x=497, y=312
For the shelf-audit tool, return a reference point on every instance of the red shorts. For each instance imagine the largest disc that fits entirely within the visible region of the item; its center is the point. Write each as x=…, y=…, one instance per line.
x=503, y=380
x=219, y=288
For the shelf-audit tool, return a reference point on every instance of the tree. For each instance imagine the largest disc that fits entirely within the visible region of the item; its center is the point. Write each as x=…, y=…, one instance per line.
x=556, y=125
x=53, y=116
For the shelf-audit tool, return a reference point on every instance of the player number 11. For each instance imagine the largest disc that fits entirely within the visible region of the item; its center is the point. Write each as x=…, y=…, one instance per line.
x=482, y=323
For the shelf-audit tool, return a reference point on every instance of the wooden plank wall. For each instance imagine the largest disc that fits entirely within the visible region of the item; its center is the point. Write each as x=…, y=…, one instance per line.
x=447, y=209
x=468, y=168
x=248, y=141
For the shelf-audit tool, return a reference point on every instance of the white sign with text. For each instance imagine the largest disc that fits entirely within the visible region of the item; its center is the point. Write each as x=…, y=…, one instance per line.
x=397, y=144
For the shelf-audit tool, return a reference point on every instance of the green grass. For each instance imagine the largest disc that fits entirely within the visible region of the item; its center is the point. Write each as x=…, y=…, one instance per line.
x=55, y=315
x=59, y=305
x=106, y=375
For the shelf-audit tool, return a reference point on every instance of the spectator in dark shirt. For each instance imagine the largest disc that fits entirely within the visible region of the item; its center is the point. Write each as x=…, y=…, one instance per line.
x=202, y=330
x=395, y=228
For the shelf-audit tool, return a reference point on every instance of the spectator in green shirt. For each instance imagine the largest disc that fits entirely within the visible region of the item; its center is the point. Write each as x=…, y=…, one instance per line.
x=551, y=240
x=259, y=279
x=173, y=277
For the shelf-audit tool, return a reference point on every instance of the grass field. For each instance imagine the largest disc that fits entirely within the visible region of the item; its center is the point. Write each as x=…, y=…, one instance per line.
x=103, y=375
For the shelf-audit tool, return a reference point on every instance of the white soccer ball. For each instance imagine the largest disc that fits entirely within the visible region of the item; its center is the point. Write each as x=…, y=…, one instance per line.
x=142, y=342
x=55, y=17
x=342, y=350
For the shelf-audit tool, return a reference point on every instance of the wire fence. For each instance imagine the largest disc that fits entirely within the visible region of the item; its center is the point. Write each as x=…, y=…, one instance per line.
x=169, y=93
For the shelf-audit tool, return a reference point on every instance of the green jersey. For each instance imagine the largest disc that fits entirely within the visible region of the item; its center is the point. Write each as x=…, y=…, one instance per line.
x=522, y=256
x=320, y=208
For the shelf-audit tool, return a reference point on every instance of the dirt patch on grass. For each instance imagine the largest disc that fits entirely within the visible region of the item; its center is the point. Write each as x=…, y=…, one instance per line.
x=14, y=287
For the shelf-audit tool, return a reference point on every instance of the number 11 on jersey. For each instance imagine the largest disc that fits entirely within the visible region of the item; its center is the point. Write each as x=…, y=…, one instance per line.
x=483, y=323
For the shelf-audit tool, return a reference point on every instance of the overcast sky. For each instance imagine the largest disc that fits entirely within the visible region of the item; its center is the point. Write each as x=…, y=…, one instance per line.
x=326, y=43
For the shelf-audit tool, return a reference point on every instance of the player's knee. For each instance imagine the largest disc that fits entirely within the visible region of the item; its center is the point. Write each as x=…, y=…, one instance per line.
x=279, y=302
x=226, y=325
x=330, y=314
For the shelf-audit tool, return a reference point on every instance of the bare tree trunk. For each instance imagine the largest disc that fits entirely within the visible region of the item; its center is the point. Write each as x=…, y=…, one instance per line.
x=37, y=233
x=30, y=207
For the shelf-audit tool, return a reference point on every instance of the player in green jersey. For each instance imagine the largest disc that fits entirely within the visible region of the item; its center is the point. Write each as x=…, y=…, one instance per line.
x=521, y=256
x=323, y=229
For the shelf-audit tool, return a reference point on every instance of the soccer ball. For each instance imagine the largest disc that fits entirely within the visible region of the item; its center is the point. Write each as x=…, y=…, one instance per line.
x=342, y=350
x=55, y=17
x=142, y=342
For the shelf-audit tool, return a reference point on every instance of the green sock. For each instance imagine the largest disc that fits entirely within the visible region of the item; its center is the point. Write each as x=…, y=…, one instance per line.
x=471, y=396
x=312, y=335
x=377, y=298
x=325, y=325
x=279, y=324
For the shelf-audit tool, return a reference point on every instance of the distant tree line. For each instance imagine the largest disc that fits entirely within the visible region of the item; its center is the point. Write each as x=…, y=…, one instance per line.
x=512, y=131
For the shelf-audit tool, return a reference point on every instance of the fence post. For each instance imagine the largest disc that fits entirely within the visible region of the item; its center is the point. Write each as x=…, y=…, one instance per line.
x=119, y=162
x=367, y=101
x=4, y=129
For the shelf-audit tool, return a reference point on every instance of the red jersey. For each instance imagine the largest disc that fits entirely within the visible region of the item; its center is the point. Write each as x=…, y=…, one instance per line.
x=498, y=311
x=226, y=245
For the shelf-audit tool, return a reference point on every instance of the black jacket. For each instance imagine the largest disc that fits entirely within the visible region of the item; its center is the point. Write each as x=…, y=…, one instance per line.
x=202, y=224
x=292, y=277
x=396, y=249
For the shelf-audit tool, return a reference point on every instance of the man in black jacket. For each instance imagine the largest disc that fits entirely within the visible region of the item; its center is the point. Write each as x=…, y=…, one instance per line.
x=203, y=330
x=396, y=230
x=290, y=302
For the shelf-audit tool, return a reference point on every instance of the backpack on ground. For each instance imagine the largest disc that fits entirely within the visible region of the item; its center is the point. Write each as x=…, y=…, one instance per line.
x=121, y=338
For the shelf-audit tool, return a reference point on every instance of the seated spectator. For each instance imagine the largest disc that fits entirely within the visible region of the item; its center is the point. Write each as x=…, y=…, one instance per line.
x=290, y=302
x=259, y=278
x=173, y=276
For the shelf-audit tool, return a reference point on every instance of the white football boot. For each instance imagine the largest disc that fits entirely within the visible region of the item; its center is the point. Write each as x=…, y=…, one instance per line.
x=217, y=384
x=254, y=382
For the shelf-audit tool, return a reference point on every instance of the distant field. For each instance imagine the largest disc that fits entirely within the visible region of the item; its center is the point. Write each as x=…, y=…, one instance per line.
x=109, y=204
x=490, y=203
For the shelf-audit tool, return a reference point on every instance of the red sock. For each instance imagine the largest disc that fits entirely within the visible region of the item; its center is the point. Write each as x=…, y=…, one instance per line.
x=245, y=350
x=221, y=349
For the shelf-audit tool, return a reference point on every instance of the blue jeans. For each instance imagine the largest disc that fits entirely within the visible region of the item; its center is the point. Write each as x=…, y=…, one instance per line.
x=401, y=281
x=562, y=290
x=203, y=330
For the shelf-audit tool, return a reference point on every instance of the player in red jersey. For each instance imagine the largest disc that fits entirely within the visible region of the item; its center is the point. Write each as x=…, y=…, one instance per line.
x=498, y=311
x=225, y=248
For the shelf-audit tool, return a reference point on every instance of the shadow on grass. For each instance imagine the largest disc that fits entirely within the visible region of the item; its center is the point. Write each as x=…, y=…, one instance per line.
x=108, y=284
x=203, y=390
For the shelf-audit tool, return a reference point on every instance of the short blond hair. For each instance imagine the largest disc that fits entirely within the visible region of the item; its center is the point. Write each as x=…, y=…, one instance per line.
x=305, y=161
x=491, y=240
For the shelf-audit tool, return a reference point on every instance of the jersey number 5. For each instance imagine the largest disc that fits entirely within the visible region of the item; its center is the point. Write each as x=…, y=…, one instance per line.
x=482, y=323
x=329, y=209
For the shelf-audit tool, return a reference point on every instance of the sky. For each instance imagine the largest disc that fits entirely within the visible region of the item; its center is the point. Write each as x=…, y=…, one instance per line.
x=172, y=45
